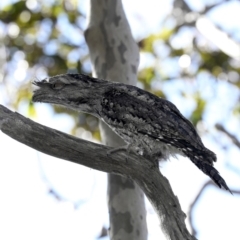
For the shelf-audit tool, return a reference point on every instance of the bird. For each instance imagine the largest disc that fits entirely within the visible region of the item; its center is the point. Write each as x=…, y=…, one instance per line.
x=150, y=125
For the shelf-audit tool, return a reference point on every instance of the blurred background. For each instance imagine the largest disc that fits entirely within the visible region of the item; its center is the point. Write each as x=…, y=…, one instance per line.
x=189, y=54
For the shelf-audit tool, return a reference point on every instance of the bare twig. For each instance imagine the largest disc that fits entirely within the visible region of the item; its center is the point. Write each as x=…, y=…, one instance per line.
x=231, y=136
x=192, y=205
x=53, y=191
x=210, y=7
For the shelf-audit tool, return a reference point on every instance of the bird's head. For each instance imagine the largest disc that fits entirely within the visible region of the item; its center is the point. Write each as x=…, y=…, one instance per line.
x=76, y=91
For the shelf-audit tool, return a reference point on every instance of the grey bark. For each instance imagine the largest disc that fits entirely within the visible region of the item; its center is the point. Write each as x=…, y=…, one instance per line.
x=115, y=55
x=61, y=145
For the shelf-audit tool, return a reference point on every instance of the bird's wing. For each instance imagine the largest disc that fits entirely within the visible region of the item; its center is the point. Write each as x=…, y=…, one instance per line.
x=172, y=117
x=139, y=111
x=150, y=114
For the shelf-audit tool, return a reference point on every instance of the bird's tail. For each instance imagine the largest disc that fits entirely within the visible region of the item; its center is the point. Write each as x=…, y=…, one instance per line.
x=204, y=159
x=211, y=172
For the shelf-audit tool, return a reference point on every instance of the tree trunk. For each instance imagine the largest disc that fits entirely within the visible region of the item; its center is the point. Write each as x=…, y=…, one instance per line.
x=115, y=56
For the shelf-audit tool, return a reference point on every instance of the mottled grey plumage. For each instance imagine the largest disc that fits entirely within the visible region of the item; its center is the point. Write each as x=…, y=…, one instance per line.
x=146, y=122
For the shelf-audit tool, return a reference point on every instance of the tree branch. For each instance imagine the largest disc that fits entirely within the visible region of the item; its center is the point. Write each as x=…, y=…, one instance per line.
x=210, y=7
x=61, y=145
x=195, y=201
x=191, y=207
x=231, y=136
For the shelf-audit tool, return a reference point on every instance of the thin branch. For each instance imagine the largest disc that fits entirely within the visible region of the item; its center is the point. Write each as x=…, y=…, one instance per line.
x=192, y=205
x=53, y=191
x=231, y=136
x=142, y=171
x=210, y=7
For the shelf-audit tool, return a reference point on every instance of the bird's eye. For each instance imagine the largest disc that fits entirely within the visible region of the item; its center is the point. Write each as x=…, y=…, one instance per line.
x=58, y=85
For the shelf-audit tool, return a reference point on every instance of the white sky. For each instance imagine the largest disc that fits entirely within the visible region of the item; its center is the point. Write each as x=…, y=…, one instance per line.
x=28, y=211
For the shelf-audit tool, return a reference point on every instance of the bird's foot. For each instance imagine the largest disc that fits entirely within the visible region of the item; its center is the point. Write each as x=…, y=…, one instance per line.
x=125, y=148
